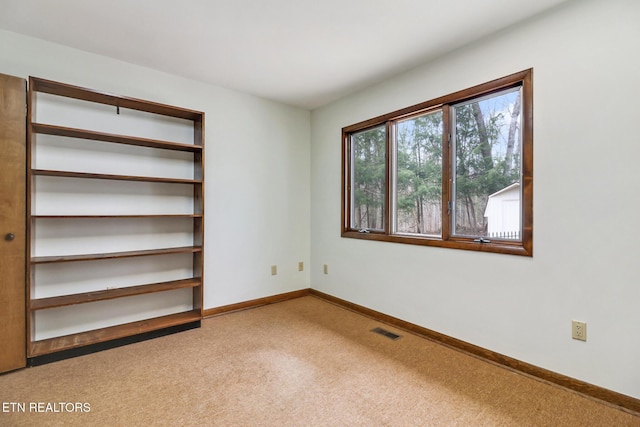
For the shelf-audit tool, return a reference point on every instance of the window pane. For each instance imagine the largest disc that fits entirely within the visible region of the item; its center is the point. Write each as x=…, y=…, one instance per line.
x=368, y=179
x=487, y=195
x=418, y=175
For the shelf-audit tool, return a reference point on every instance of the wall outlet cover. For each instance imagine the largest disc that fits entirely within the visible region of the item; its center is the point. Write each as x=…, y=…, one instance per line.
x=578, y=330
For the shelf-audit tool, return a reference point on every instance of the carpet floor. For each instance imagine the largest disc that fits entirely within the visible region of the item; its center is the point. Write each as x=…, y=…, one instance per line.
x=303, y=362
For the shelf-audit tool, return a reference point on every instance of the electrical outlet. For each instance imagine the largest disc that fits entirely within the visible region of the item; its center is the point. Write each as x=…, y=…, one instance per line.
x=301, y=266
x=578, y=330
x=274, y=270
x=326, y=269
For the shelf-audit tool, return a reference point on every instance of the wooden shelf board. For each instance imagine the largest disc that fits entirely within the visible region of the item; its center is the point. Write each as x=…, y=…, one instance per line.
x=61, y=89
x=37, y=348
x=167, y=216
x=109, y=137
x=86, y=297
x=85, y=175
x=112, y=255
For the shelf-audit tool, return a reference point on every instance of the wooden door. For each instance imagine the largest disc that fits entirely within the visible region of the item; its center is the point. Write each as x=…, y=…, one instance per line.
x=13, y=98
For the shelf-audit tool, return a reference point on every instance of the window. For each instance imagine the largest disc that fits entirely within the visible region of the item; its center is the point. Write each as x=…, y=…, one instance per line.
x=455, y=172
x=368, y=154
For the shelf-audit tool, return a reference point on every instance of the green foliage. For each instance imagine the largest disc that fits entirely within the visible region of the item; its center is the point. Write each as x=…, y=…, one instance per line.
x=487, y=160
x=482, y=160
x=369, y=151
x=419, y=173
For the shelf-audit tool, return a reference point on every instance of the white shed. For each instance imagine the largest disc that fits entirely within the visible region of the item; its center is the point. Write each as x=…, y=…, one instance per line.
x=503, y=213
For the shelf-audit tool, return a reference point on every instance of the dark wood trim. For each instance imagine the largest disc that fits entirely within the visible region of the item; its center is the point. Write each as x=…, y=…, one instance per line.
x=446, y=173
x=38, y=348
x=30, y=235
x=388, y=196
x=198, y=208
x=345, y=196
x=197, y=293
x=106, y=294
x=84, y=175
x=527, y=163
x=255, y=303
x=620, y=400
x=504, y=247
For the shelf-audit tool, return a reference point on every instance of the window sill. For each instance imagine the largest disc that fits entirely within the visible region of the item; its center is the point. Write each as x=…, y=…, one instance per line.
x=501, y=247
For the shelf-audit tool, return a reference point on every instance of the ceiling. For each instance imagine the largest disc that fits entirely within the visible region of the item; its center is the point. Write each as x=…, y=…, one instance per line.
x=301, y=52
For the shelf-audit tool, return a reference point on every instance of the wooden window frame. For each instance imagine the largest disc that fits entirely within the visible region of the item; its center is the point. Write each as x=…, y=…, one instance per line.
x=523, y=247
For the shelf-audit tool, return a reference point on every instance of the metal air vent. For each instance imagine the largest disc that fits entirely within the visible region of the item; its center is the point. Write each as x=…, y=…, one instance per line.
x=386, y=333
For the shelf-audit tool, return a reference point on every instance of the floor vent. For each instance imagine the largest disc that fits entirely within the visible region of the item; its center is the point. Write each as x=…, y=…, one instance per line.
x=386, y=333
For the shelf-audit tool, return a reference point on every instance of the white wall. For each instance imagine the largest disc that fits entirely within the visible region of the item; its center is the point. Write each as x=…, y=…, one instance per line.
x=257, y=165
x=586, y=198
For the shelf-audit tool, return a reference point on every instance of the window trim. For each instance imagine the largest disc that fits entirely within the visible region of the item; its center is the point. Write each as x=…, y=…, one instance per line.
x=523, y=247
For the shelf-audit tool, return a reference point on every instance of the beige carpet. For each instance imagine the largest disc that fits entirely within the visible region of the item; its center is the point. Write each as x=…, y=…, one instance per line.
x=303, y=362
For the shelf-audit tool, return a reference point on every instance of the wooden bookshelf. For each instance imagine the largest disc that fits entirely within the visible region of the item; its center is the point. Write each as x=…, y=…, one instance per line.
x=109, y=291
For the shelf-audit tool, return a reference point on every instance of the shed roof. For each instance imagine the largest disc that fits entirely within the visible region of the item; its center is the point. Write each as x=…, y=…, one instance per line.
x=505, y=189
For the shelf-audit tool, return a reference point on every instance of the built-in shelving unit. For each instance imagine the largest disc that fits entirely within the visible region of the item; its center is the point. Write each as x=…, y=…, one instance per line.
x=59, y=222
